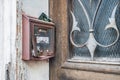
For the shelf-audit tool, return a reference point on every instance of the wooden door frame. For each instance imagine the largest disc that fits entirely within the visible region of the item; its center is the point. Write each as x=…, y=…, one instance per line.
x=59, y=14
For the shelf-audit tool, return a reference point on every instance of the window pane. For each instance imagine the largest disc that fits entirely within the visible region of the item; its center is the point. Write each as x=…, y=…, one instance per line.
x=102, y=36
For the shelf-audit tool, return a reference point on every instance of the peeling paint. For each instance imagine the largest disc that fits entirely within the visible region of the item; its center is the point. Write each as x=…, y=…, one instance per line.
x=29, y=70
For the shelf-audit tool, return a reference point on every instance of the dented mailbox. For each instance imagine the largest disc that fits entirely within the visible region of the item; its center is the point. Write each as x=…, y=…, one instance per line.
x=37, y=39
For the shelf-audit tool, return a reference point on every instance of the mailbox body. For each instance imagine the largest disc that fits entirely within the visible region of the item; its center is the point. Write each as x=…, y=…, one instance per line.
x=37, y=39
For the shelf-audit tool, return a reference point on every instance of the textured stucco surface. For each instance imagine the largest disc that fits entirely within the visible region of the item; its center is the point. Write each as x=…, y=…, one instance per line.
x=12, y=67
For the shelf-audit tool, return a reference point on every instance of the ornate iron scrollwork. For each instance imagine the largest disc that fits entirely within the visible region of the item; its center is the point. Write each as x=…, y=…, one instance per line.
x=91, y=43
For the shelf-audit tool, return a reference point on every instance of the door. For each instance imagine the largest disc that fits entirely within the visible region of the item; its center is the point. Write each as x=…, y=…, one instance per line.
x=87, y=40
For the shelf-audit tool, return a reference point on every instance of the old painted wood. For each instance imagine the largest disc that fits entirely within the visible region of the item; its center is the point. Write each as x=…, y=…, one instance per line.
x=58, y=12
x=59, y=69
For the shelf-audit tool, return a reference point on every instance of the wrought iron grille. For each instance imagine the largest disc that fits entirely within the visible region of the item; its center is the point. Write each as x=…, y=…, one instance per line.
x=95, y=29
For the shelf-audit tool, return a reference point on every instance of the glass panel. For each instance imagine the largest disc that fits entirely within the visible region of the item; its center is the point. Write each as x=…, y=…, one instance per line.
x=41, y=41
x=80, y=37
x=102, y=36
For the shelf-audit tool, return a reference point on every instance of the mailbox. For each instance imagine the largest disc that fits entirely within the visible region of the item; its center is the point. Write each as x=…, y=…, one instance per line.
x=37, y=39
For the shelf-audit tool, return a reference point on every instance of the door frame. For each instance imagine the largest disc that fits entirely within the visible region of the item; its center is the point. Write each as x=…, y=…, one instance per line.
x=58, y=11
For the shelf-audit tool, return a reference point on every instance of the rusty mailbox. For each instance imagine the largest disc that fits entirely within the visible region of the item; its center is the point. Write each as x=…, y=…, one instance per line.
x=37, y=39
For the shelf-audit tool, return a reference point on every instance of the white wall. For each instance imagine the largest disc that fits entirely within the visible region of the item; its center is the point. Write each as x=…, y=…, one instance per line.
x=10, y=41
x=7, y=36
x=36, y=70
x=35, y=7
x=1, y=39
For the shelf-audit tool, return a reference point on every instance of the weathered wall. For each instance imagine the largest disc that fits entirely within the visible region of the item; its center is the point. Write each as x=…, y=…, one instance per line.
x=7, y=39
x=11, y=65
x=30, y=70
